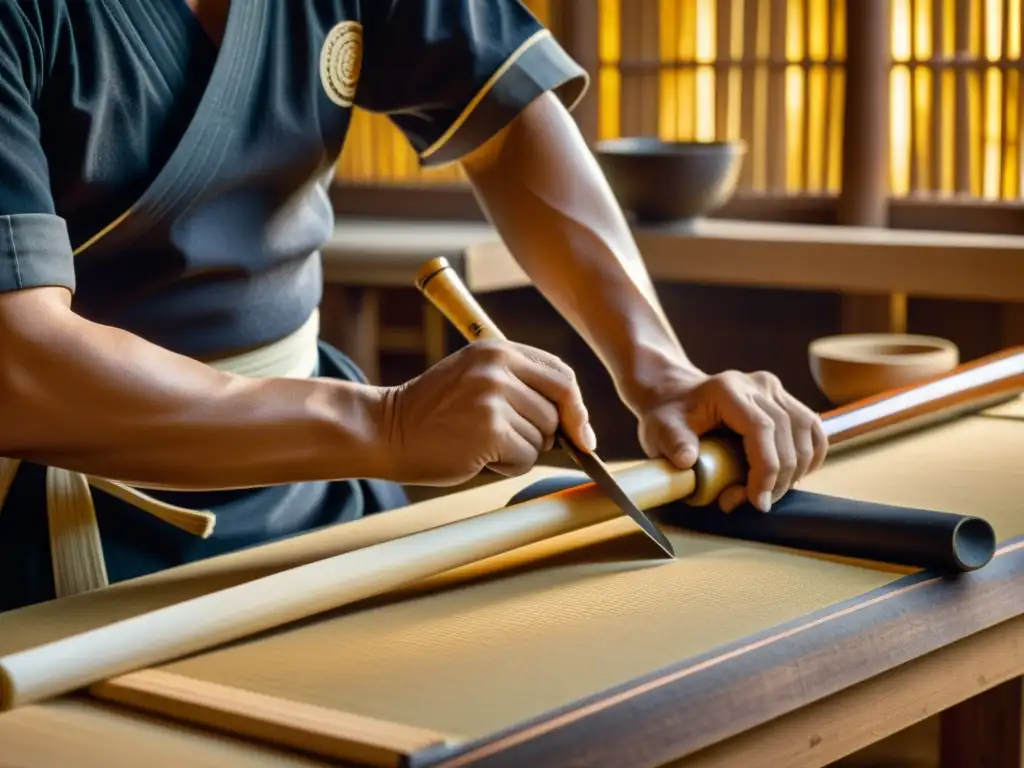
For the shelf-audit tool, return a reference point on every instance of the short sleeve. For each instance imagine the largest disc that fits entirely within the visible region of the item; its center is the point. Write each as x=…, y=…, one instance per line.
x=35, y=249
x=453, y=73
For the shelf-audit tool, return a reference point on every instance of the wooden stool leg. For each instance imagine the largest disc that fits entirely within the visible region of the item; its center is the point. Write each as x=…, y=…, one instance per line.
x=350, y=320
x=986, y=731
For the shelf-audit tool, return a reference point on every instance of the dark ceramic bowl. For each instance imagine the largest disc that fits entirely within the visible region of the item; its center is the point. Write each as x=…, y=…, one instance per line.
x=659, y=181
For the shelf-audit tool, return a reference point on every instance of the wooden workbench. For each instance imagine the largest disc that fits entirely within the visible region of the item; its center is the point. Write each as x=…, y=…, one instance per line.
x=582, y=652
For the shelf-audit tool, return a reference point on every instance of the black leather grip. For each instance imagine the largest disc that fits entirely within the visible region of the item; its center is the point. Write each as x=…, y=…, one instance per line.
x=919, y=538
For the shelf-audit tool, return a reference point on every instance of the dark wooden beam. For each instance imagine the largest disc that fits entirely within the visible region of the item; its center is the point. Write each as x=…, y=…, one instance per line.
x=985, y=731
x=576, y=23
x=864, y=198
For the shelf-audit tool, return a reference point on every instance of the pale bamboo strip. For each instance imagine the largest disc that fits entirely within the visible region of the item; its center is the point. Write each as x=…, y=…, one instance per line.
x=776, y=144
x=1020, y=102
x=914, y=146
x=686, y=79
x=962, y=139
x=749, y=77
x=804, y=181
x=829, y=20
x=630, y=95
x=76, y=552
x=1004, y=116
x=983, y=75
x=723, y=69
x=649, y=13
x=669, y=105
x=938, y=114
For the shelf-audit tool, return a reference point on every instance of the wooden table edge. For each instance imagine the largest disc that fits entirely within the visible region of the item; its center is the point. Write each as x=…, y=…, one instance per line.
x=700, y=702
x=873, y=710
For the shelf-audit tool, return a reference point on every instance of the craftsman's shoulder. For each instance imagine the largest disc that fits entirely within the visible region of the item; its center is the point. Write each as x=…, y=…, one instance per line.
x=38, y=17
x=30, y=29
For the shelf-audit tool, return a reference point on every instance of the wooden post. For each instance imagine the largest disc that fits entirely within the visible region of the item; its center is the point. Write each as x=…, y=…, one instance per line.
x=576, y=23
x=640, y=24
x=864, y=199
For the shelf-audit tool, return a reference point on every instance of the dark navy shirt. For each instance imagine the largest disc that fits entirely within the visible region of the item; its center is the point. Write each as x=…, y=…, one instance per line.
x=179, y=188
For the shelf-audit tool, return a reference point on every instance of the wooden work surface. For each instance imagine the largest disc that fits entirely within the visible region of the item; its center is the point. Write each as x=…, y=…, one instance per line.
x=734, y=648
x=382, y=253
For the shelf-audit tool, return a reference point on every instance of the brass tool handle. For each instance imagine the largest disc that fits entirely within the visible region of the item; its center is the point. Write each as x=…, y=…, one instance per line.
x=438, y=281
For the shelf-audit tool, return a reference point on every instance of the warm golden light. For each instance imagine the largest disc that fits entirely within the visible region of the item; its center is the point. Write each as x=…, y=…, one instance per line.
x=738, y=69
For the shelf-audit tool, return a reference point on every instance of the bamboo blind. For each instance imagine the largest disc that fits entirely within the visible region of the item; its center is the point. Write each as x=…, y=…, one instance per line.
x=771, y=72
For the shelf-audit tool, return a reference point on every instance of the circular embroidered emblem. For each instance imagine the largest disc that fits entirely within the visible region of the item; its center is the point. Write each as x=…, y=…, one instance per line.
x=341, y=61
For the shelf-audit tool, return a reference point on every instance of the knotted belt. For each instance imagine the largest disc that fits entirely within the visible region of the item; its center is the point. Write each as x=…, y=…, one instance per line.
x=76, y=551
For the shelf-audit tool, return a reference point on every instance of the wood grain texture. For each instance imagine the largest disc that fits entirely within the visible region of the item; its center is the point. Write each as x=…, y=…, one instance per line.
x=998, y=714
x=864, y=714
x=293, y=724
x=381, y=252
x=804, y=256
x=89, y=734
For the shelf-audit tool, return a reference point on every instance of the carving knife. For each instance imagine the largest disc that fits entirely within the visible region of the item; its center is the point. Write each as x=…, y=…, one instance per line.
x=440, y=284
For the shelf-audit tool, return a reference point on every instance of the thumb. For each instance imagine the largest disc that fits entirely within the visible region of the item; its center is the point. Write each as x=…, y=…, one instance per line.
x=676, y=440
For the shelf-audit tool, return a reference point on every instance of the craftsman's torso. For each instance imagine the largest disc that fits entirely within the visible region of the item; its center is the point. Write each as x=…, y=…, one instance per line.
x=192, y=178
x=192, y=174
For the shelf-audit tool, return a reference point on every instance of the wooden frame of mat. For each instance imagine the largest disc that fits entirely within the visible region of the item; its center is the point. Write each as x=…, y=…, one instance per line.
x=654, y=720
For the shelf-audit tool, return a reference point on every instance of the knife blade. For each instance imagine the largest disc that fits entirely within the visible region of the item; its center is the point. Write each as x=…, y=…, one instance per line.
x=442, y=286
x=596, y=470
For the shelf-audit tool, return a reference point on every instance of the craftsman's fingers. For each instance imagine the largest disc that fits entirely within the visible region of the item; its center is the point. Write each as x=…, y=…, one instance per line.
x=785, y=450
x=745, y=415
x=535, y=409
x=806, y=431
x=556, y=381
x=527, y=430
x=732, y=497
x=674, y=439
x=819, y=438
x=518, y=454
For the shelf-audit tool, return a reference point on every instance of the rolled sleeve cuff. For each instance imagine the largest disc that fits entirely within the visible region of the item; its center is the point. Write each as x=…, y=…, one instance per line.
x=539, y=65
x=35, y=251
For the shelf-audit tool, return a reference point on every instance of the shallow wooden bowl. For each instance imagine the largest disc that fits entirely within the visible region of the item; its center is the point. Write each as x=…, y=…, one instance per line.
x=661, y=182
x=853, y=366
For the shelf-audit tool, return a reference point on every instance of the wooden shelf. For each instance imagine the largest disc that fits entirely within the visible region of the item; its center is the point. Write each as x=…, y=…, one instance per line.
x=383, y=253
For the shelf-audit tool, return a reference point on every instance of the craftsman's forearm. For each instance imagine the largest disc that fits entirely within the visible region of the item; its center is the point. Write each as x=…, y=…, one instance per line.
x=546, y=195
x=94, y=399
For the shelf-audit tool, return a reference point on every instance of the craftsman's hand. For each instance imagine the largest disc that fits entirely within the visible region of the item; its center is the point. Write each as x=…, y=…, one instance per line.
x=783, y=439
x=491, y=404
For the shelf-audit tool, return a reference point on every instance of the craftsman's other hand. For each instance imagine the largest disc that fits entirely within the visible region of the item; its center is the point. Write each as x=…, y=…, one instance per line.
x=491, y=404
x=783, y=439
